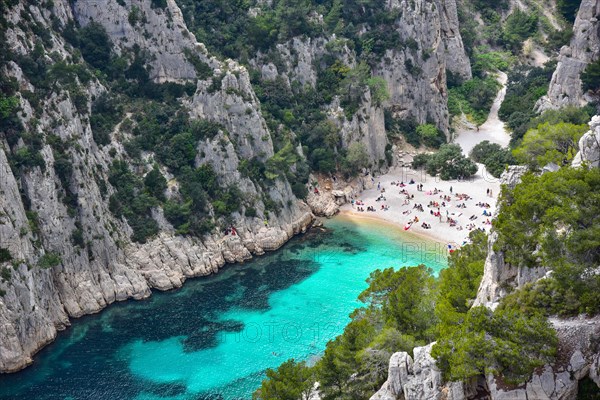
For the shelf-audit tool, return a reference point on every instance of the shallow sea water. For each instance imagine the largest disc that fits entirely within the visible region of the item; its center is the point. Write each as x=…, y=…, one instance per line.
x=215, y=337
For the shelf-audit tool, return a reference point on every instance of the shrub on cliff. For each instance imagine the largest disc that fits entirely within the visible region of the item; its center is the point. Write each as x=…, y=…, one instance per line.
x=502, y=342
x=553, y=220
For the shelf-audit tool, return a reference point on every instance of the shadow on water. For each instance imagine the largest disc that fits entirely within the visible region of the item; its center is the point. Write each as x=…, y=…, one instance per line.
x=91, y=359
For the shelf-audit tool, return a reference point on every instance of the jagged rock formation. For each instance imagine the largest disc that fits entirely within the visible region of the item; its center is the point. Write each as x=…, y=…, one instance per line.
x=418, y=379
x=421, y=92
x=589, y=146
x=415, y=73
x=578, y=357
x=565, y=87
x=36, y=302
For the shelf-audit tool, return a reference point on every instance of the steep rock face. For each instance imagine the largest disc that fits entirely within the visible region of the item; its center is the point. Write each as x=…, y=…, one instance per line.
x=565, y=86
x=162, y=32
x=37, y=301
x=416, y=75
x=418, y=379
x=589, y=145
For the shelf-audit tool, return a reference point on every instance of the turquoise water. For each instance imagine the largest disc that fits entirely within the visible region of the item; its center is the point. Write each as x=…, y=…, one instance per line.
x=215, y=337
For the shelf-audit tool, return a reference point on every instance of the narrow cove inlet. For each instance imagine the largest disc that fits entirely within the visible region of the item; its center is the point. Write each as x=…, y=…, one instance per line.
x=215, y=337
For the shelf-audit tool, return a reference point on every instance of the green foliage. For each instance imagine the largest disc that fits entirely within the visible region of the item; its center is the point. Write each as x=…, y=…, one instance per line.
x=486, y=60
x=356, y=158
x=590, y=77
x=557, y=143
x=493, y=156
x=158, y=4
x=5, y=255
x=49, y=260
x=280, y=163
x=473, y=98
x=398, y=316
x=203, y=70
x=525, y=86
x=291, y=381
x=519, y=26
x=155, y=183
x=568, y=8
x=107, y=111
x=95, y=45
x=5, y=274
x=405, y=127
x=430, y=135
x=458, y=284
x=501, y=342
x=448, y=162
x=552, y=220
x=131, y=202
x=379, y=90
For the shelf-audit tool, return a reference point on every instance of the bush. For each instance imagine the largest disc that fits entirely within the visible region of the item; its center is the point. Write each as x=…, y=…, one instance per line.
x=49, y=260
x=430, y=135
x=420, y=161
x=493, y=156
x=5, y=255
x=474, y=98
x=5, y=274
x=95, y=45
x=291, y=381
x=107, y=111
x=300, y=190
x=548, y=143
x=501, y=343
x=590, y=77
x=449, y=163
x=550, y=220
x=525, y=86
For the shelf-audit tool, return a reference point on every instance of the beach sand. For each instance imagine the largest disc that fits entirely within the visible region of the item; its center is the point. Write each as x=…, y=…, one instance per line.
x=400, y=213
x=476, y=188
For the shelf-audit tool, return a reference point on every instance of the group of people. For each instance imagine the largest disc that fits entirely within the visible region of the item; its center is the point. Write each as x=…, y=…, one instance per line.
x=369, y=208
x=445, y=201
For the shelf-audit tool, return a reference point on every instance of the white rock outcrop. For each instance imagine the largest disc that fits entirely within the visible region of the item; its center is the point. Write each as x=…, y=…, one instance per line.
x=36, y=302
x=589, y=146
x=565, y=86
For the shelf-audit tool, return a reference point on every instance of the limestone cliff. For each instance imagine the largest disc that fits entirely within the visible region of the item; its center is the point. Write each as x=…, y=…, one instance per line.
x=565, y=86
x=415, y=71
x=589, y=146
x=36, y=226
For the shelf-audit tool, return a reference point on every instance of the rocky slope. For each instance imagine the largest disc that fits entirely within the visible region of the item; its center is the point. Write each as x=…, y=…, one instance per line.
x=415, y=72
x=36, y=224
x=565, y=87
x=589, y=146
x=64, y=252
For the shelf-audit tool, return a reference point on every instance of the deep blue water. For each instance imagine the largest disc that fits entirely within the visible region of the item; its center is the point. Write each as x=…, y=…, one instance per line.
x=215, y=337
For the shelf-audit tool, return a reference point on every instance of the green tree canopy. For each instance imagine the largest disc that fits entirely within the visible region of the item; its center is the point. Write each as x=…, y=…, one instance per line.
x=549, y=144
x=290, y=381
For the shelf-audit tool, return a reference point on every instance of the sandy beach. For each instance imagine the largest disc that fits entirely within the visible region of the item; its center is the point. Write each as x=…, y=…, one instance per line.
x=449, y=214
x=449, y=210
